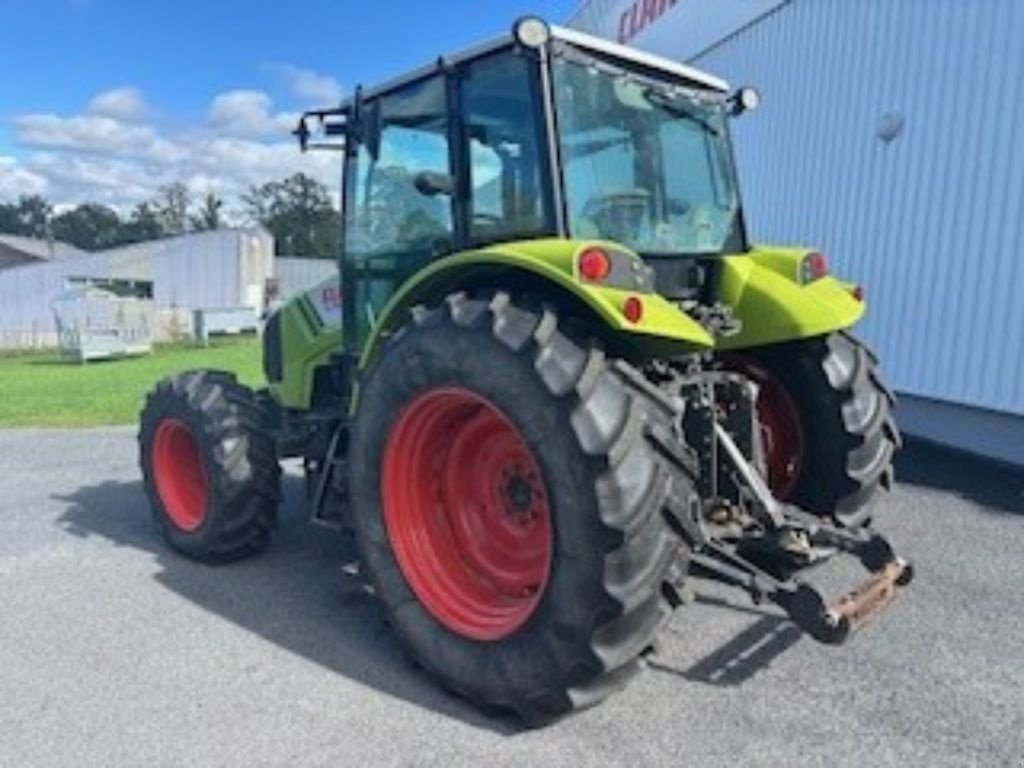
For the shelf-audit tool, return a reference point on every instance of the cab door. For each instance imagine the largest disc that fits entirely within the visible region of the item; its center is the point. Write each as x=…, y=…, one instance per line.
x=395, y=221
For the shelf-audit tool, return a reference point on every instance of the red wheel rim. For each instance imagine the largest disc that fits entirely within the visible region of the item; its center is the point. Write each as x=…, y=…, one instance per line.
x=781, y=430
x=180, y=477
x=467, y=513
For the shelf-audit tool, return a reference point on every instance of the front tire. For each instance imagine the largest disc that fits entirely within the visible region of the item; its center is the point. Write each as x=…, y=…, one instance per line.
x=209, y=466
x=509, y=510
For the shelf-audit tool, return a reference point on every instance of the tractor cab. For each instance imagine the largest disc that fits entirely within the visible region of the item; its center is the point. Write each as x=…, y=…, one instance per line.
x=541, y=133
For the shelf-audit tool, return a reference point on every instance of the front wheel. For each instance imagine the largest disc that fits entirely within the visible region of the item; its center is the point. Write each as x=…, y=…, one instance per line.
x=210, y=466
x=826, y=420
x=509, y=509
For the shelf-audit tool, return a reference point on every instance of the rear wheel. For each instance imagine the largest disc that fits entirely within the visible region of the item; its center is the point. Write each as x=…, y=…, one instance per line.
x=826, y=421
x=209, y=466
x=509, y=509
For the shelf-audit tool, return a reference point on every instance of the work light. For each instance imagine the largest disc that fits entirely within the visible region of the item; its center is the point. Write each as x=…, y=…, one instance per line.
x=531, y=31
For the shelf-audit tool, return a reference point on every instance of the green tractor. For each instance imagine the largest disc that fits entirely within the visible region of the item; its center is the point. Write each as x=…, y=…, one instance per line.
x=554, y=374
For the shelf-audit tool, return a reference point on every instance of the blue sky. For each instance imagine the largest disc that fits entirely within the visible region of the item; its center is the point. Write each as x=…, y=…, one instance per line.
x=107, y=99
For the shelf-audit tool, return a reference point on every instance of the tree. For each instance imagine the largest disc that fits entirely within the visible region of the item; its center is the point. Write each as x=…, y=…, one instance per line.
x=90, y=226
x=298, y=213
x=34, y=212
x=144, y=224
x=29, y=217
x=10, y=222
x=208, y=216
x=172, y=208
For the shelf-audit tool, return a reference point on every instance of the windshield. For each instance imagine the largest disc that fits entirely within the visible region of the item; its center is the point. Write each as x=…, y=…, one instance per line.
x=645, y=162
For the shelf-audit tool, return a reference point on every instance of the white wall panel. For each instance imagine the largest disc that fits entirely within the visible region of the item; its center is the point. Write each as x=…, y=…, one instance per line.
x=655, y=24
x=296, y=275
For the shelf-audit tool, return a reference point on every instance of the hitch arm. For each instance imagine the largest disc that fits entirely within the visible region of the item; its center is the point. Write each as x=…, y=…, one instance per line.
x=830, y=623
x=834, y=622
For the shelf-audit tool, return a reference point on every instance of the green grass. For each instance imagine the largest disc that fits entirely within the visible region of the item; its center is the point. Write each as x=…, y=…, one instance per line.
x=39, y=389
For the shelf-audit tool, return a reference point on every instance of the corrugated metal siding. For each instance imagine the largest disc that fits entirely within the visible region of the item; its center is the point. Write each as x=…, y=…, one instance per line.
x=26, y=318
x=931, y=223
x=295, y=275
x=655, y=24
x=256, y=266
x=596, y=16
x=200, y=270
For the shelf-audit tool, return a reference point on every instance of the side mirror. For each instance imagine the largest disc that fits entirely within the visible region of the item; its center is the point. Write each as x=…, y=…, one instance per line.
x=301, y=132
x=433, y=183
x=745, y=99
x=369, y=127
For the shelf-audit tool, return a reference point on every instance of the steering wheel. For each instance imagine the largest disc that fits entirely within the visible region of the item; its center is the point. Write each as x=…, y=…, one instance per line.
x=624, y=198
x=619, y=215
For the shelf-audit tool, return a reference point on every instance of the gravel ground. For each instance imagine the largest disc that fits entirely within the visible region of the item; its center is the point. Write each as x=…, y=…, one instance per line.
x=114, y=651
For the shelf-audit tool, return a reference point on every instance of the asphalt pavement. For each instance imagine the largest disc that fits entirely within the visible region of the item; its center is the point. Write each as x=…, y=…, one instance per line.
x=115, y=651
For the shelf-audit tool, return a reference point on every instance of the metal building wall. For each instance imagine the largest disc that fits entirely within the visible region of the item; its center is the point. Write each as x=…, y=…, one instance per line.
x=295, y=275
x=198, y=270
x=226, y=268
x=931, y=222
x=26, y=317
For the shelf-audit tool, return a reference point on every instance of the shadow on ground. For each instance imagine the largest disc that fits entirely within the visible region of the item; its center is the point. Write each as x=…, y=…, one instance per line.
x=988, y=483
x=304, y=594
x=745, y=655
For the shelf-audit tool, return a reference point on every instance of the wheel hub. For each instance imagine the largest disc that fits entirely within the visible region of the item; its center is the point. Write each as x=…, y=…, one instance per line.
x=519, y=495
x=467, y=513
x=179, y=474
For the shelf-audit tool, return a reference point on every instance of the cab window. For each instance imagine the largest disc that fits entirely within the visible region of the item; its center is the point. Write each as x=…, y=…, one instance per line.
x=394, y=223
x=407, y=136
x=507, y=195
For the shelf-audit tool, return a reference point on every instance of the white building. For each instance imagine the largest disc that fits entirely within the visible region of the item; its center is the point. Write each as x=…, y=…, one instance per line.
x=228, y=268
x=17, y=251
x=890, y=136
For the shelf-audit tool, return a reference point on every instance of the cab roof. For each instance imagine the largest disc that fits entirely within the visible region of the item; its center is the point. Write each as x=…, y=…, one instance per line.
x=598, y=45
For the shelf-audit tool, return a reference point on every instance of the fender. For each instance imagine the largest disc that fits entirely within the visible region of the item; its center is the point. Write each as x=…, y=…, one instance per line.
x=662, y=327
x=764, y=288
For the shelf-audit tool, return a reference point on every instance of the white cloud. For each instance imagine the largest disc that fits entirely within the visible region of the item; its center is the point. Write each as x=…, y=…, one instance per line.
x=93, y=135
x=85, y=133
x=15, y=180
x=73, y=179
x=118, y=162
x=309, y=88
x=119, y=103
x=248, y=113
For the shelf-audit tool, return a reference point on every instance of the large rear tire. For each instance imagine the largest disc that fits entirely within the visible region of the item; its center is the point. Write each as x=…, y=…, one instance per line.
x=209, y=465
x=827, y=417
x=510, y=511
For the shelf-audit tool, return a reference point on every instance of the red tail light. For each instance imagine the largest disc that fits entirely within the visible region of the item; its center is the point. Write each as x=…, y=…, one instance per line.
x=594, y=265
x=633, y=309
x=813, y=267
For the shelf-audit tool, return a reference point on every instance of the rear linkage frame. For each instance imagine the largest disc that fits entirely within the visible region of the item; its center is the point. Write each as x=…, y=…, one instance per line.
x=740, y=522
